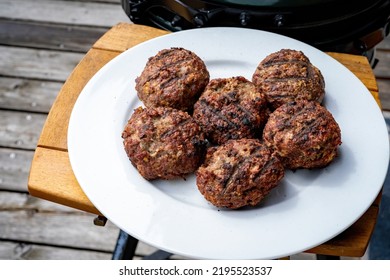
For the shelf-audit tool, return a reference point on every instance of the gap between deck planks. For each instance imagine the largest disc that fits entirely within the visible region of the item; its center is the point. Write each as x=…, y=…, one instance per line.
x=41, y=42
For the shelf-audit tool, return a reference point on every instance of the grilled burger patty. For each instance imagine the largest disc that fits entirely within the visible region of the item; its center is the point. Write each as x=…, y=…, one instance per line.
x=231, y=108
x=163, y=142
x=288, y=75
x=172, y=78
x=238, y=173
x=303, y=134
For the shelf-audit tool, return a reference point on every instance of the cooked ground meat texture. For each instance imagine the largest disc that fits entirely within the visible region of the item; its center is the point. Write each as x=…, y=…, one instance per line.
x=172, y=78
x=303, y=134
x=238, y=173
x=231, y=108
x=163, y=142
x=288, y=75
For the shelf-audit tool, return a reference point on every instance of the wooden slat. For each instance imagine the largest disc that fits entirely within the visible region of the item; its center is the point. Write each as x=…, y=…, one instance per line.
x=49, y=36
x=24, y=203
x=68, y=12
x=48, y=228
x=14, y=169
x=43, y=222
x=20, y=129
x=384, y=45
x=55, y=181
x=384, y=93
x=37, y=64
x=24, y=251
x=55, y=135
x=382, y=69
x=28, y=95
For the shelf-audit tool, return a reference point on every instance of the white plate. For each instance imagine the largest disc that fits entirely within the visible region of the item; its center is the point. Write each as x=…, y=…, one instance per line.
x=307, y=209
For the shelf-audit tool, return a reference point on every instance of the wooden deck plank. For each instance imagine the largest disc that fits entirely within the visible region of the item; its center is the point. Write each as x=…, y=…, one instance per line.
x=36, y=63
x=68, y=12
x=25, y=251
x=18, y=202
x=43, y=224
x=384, y=93
x=382, y=69
x=384, y=45
x=14, y=169
x=20, y=129
x=53, y=228
x=11, y=201
x=27, y=95
x=49, y=36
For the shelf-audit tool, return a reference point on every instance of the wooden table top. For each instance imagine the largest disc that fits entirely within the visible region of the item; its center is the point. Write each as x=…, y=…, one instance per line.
x=51, y=176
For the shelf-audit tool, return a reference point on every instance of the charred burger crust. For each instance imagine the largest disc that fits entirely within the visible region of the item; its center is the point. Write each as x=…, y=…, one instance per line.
x=238, y=173
x=163, y=142
x=174, y=78
x=288, y=75
x=303, y=134
x=231, y=108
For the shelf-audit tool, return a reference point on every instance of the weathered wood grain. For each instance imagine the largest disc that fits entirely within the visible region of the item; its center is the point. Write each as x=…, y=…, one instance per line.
x=384, y=93
x=30, y=210
x=382, y=69
x=25, y=251
x=384, y=45
x=20, y=129
x=36, y=63
x=68, y=229
x=27, y=95
x=49, y=36
x=11, y=201
x=69, y=12
x=14, y=170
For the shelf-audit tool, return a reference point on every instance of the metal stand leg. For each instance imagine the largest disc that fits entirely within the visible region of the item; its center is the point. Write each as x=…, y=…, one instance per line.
x=125, y=247
x=326, y=257
x=158, y=255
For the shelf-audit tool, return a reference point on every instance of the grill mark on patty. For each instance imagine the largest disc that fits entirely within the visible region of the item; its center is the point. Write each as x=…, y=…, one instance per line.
x=290, y=78
x=171, y=79
x=294, y=61
x=290, y=117
x=236, y=170
x=157, y=73
x=264, y=168
x=177, y=127
x=311, y=73
x=308, y=128
x=216, y=113
x=247, y=119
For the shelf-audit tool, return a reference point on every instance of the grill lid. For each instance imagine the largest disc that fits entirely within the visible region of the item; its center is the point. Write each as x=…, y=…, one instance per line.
x=330, y=25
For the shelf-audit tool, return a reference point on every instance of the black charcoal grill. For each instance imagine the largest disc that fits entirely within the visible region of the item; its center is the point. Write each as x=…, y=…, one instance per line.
x=348, y=26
